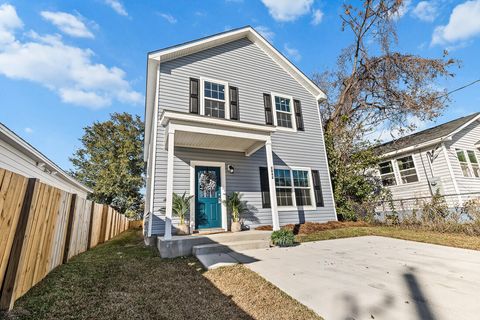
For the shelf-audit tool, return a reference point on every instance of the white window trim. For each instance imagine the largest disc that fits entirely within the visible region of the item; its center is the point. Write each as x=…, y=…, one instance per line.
x=470, y=166
x=202, y=96
x=399, y=176
x=394, y=173
x=294, y=207
x=292, y=111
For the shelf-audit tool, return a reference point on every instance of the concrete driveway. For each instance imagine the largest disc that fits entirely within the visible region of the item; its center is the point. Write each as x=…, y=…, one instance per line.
x=376, y=278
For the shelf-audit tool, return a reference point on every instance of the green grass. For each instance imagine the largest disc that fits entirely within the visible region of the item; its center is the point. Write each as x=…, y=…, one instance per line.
x=447, y=239
x=124, y=279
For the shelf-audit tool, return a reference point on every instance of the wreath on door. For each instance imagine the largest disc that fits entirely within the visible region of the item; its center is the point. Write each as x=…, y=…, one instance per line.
x=208, y=183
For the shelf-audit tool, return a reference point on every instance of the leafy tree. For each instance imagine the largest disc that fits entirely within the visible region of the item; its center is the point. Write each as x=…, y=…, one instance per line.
x=111, y=162
x=372, y=87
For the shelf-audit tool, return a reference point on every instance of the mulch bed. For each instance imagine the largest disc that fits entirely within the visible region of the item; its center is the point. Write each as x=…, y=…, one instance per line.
x=312, y=227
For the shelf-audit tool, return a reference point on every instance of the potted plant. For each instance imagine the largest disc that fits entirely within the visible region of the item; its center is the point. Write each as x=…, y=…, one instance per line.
x=237, y=207
x=180, y=208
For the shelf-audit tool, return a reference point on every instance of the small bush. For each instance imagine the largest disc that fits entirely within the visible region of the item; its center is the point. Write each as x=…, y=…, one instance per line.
x=283, y=238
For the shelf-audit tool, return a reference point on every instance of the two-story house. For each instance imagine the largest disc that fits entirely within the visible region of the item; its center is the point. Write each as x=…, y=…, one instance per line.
x=444, y=158
x=229, y=113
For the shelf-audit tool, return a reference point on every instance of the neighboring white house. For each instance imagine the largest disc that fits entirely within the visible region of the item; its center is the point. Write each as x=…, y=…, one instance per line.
x=444, y=158
x=230, y=113
x=19, y=156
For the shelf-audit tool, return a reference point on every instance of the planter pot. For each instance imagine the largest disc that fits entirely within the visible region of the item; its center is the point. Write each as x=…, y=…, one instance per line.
x=236, y=227
x=183, y=229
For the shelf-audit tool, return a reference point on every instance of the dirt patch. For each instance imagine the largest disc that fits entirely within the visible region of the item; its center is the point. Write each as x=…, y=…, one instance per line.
x=312, y=227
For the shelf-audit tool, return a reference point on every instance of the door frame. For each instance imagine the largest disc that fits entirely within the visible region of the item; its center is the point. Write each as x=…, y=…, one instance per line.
x=223, y=193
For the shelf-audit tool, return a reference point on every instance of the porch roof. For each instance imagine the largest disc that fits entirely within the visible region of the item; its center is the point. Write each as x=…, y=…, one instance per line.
x=196, y=131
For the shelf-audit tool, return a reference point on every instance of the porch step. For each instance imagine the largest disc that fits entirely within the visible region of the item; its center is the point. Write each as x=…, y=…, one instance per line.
x=229, y=246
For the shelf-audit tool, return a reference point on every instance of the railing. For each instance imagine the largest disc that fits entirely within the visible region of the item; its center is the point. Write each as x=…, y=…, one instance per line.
x=42, y=227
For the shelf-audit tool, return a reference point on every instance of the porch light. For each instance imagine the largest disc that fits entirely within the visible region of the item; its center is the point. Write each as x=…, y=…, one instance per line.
x=231, y=169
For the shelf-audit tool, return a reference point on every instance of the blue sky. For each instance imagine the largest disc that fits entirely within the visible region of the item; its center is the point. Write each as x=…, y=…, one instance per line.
x=66, y=64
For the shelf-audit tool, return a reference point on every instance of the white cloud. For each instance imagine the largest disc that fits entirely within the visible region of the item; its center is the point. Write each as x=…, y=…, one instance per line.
x=28, y=130
x=9, y=21
x=67, y=70
x=170, y=19
x=464, y=23
x=67, y=23
x=117, y=6
x=266, y=33
x=426, y=11
x=292, y=53
x=402, y=10
x=317, y=17
x=288, y=10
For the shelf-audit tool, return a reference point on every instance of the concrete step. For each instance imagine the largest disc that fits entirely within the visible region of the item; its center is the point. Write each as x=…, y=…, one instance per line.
x=216, y=260
x=229, y=246
x=239, y=236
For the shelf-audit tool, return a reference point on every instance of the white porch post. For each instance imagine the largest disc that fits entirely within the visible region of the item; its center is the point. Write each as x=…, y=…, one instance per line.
x=271, y=184
x=170, y=164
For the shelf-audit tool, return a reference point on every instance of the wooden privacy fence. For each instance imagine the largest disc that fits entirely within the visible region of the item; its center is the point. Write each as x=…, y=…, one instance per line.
x=42, y=227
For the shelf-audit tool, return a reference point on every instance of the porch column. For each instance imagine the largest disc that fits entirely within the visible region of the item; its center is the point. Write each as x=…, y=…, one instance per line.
x=170, y=163
x=271, y=184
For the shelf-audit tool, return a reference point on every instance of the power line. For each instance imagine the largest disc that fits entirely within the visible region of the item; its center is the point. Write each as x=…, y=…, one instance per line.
x=460, y=88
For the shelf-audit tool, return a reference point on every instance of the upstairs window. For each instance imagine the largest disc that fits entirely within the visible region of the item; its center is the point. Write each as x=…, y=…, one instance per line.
x=387, y=175
x=469, y=163
x=283, y=112
x=407, y=170
x=214, y=99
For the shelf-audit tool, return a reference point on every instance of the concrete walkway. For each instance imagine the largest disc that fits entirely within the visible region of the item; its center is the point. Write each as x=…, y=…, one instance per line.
x=375, y=278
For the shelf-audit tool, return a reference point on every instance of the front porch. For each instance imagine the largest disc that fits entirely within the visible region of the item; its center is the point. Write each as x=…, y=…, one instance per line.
x=207, y=177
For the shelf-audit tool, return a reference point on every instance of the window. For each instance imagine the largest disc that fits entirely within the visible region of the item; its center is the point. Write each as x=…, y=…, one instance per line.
x=387, y=174
x=214, y=99
x=301, y=187
x=283, y=112
x=469, y=163
x=406, y=167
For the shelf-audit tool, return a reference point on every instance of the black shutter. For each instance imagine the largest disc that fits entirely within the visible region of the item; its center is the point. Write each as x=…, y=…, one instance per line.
x=234, y=110
x=267, y=102
x=194, y=91
x=317, y=188
x=298, y=115
x=264, y=187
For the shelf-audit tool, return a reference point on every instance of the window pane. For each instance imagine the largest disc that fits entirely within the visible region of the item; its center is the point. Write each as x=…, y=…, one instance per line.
x=214, y=90
x=461, y=156
x=214, y=108
x=302, y=197
x=282, y=178
x=472, y=157
x=405, y=163
x=465, y=169
x=409, y=179
x=282, y=104
x=300, y=178
x=284, y=197
x=284, y=120
x=389, y=180
x=386, y=167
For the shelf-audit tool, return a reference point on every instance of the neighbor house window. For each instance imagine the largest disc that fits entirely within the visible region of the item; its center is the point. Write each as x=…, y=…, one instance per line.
x=387, y=175
x=283, y=112
x=406, y=167
x=214, y=99
x=469, y=163
x=293, y=187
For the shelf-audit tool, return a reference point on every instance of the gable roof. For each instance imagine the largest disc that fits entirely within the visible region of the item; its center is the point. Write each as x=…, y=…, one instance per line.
x=26, y=148
x=156, y=57
x=427, y=137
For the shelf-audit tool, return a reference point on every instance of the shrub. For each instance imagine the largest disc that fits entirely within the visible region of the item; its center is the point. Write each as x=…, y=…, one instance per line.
x=283, y=238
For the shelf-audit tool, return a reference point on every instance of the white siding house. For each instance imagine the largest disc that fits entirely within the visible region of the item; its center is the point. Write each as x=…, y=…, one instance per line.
x=19, y=156
x=231, y=109
x=444, y=158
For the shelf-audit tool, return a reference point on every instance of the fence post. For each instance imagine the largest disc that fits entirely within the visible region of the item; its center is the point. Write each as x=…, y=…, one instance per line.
x=71, y=214
x=91, y=225
x=7, y=298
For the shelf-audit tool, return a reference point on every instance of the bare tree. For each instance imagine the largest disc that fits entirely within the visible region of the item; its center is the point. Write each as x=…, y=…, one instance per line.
x=373, y=85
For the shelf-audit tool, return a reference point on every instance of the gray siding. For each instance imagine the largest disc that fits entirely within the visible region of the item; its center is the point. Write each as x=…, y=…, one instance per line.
x=242, y=64
x=465, y=140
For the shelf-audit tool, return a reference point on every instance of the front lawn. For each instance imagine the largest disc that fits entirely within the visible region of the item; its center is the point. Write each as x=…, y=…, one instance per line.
x=458, y=240
x=123, y=279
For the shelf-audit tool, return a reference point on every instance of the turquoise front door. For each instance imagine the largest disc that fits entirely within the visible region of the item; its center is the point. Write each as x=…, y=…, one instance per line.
x=208, y=203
